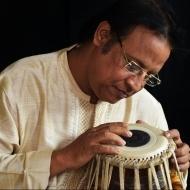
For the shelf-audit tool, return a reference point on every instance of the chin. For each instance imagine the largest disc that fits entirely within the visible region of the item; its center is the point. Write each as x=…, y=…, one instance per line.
x=109, y=97
x=112, y=100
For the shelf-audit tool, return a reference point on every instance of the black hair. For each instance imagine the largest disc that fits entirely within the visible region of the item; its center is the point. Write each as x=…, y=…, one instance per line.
x=124, y=15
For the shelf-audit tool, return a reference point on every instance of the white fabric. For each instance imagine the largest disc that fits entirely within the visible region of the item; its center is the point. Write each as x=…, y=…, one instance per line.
x=43, y=109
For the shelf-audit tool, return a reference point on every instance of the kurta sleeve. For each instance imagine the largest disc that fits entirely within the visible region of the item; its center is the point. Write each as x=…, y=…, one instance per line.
x=18, y=169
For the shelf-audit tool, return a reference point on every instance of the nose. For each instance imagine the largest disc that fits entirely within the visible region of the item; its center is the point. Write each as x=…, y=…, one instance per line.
x=134, y=83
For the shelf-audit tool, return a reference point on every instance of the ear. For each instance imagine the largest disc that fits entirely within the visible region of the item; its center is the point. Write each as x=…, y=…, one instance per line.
x=102, y=34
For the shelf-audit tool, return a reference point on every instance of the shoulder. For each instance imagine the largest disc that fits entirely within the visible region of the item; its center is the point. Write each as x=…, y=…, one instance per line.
x=36, y=63
x=30, y=62
x=28, y=71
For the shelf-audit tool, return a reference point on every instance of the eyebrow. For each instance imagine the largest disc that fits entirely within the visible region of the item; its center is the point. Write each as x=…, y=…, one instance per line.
x=137, y=61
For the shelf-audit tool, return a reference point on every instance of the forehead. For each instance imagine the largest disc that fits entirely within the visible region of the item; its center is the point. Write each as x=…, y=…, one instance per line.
x=144, y=46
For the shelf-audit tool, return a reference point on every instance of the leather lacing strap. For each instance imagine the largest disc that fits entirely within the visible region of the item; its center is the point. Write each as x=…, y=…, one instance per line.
x=101, y=179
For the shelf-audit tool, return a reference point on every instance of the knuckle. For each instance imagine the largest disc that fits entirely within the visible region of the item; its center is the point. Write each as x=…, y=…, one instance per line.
x=182, y=160
x=95, y=149
x=186, y=146
x=117, y=123
x=112, y=150
x=94, y=129
x=90, y=143
x=106, y=133
x=106, y=125
x=101, y=149
x=175, y=131
x=182, y=151
x=105, y=149
x=185, y=149
x=184, y=167
x=89, y=136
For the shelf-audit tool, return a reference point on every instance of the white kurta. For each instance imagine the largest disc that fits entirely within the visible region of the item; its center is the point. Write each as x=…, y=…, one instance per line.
x=43, y=109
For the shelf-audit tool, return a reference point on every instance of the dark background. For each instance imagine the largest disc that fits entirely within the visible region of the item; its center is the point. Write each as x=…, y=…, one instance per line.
x=35, y=27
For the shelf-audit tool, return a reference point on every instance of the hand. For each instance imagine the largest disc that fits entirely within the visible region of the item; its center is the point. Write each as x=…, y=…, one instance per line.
x=182, y=152
x=102, y=139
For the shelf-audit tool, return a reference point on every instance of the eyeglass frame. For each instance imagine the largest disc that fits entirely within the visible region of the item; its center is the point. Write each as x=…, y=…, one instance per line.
x=140, y=69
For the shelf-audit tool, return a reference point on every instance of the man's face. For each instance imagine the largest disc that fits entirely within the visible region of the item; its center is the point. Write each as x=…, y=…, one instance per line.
x=108, y=78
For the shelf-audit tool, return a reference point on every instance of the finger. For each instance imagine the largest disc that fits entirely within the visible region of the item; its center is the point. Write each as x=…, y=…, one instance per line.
x=182, y=159
x=106, y=125
x=182, y=150
x=120, y=130
x=117, y=128
x=116, y=124
x=140, y=121
x=184, y=167
x=173, y=134
x=105, y=149
x=108, y=137
x=111, y=138
x=109, y=126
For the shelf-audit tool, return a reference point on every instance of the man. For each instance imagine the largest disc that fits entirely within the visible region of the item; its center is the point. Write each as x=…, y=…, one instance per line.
x=59, y=110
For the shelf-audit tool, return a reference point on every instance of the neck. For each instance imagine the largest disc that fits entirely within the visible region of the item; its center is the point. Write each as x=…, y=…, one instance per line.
x=93, y=99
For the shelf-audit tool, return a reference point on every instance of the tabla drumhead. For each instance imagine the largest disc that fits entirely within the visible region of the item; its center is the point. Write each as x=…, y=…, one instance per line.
x=146, y=142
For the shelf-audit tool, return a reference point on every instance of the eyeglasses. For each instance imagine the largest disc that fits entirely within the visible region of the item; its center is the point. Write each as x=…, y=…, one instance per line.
x=151, y=80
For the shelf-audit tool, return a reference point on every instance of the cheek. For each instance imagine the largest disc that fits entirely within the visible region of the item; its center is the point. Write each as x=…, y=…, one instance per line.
x=119, y=76
x=97, y=79
x=99, y=73
x=107, y=78
x=106, y=71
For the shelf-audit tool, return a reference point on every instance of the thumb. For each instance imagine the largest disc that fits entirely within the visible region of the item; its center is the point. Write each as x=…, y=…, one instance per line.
x=140, y=121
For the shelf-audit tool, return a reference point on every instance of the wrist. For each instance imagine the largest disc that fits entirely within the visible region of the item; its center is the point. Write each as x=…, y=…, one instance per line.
x=58, y=163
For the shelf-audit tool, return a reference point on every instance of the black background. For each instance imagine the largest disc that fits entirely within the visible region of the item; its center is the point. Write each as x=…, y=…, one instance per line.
x=35, y=27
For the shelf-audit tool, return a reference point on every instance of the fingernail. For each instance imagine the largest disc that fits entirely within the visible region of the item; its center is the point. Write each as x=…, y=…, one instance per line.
x=167, y=134
x=129, y=134
x=123, y=143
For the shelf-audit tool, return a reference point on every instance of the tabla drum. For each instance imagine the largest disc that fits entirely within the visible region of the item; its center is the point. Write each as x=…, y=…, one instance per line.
x=143, y=163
